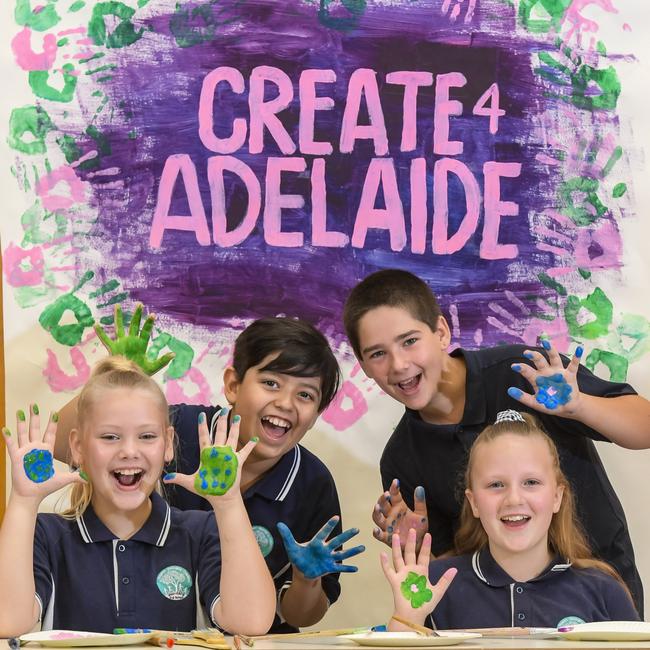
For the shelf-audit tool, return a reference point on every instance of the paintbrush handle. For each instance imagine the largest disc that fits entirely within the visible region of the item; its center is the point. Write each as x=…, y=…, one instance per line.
x=420, y=629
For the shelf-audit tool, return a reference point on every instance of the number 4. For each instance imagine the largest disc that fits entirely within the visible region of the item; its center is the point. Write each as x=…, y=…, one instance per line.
x=493, y=111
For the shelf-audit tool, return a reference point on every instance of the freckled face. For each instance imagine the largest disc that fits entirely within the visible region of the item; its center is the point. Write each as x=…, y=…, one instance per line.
x=514, y=492
x=403, y=355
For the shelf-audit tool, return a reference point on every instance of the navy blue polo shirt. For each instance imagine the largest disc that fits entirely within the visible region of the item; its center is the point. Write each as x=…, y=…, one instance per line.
x=483, y=595
x=298, y=490
x=435, y=456
x=87, y=579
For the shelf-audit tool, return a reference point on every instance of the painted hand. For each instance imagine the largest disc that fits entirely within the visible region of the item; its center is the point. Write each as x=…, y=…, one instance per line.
x=219, y=473
x=556, y=387
x=391, y=515
x=134, y=344
x=414, y=596
x=317, y=557
x=32, y=471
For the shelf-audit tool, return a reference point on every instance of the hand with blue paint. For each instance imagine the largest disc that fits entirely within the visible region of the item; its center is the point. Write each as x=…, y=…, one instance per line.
x=218, y=476
x=33, y=476
x=414, y=596
x=133, y=345
x=319, y=557
x=555, y=387
x=391, y=515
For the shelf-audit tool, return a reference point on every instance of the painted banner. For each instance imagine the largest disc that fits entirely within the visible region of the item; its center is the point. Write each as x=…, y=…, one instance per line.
x=224, y=160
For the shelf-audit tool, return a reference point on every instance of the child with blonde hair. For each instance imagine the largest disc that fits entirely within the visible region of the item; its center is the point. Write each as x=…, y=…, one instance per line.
x=521, y=557
x=120, y=556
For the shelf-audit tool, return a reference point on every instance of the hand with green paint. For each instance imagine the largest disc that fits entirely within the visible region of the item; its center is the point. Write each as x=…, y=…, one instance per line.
x=413, y=595
x=133, y=345
x=218, y=476
x=555, y=387
x=33, y=475
x=391, y=515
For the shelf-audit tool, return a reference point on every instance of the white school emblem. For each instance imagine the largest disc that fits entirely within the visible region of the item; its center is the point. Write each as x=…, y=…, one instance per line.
x=174, y=582
x=264, y=539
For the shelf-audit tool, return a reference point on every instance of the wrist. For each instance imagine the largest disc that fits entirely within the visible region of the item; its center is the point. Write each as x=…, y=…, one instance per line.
x=299, y=578
x=21, y=503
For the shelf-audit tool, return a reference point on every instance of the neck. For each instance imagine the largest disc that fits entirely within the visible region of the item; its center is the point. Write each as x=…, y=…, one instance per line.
x=123, y=524
x=448, y=404
x=254, y=469
x=523, y=566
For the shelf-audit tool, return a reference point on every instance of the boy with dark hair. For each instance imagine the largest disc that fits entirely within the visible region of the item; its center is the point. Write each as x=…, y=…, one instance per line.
x=283, y=376
x=400, y=339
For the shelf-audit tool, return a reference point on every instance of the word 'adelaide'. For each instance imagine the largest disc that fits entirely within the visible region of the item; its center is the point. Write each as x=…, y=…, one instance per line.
x=380, y=175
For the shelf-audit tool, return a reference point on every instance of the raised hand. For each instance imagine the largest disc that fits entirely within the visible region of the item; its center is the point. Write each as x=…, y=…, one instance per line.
x=218, y=477
x=317, y=557
x=134, y=344
x=33, y=475
x=391, y=515
x=555, y=387
x=414, y=596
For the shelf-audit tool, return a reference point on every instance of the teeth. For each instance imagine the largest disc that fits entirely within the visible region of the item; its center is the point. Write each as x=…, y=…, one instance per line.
x=277, y=422
x=408, y=383
x=515, y=518
x=128, y=472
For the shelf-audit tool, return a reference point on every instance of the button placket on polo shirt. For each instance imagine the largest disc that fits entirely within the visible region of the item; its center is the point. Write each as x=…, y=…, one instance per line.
x=521, y=604
x=124, y=558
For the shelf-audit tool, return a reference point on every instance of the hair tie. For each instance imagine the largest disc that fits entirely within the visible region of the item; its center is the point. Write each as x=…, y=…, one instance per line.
x=509, y=416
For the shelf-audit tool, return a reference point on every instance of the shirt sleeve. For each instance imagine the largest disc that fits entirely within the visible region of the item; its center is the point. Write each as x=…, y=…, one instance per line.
x=619, y=602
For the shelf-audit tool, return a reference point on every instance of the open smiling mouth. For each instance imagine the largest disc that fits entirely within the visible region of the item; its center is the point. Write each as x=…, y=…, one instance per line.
x=515, y=521
x=409, y=385
x=274, y=427
x=128, y=477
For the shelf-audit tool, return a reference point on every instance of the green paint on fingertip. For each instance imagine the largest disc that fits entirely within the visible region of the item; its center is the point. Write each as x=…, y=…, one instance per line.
x=35, y=409
x=20, y=414
x=83, y=475
x=55, y=417
x=201, y=417
x=6, y=432
x=236, y=419
x=619, y=190
x=255, y=439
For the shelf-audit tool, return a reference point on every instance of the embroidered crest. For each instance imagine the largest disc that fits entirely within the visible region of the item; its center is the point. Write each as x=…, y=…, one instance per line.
x=570, y=620
x=174, y=582
x=264, y=539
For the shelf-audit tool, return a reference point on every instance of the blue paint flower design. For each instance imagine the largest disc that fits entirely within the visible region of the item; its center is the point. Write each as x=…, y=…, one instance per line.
x=553, y=391
x=38, y=465
x=414, y=589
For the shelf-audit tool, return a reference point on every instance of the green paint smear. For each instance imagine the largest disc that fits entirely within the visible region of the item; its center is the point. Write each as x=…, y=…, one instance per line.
x=123, y=35
x=422, y=594
x=76, y=6
x=99, y=55
x=105, y=288
x=613, y=159
x=102, y=142
x=217, y=471
x=70, y=334
x=596, y=303
x=63, y=41
x=41, y=226
x=600, y=47
x=38, y=82
x=575, y=194
x=132, y=135
x=120, y=297
x=616, y=364
x=181, y=363
x=40, y=20
x=549, y=282
x=542, y=16
x=619, y=190
x=32, y=120
x=108, y=66
x=585, y=274
x=631, y=338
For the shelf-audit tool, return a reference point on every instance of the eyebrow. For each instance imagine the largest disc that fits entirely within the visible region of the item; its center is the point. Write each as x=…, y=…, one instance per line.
x=397, y=339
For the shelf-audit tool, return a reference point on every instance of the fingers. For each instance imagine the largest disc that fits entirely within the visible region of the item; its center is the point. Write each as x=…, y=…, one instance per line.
x=343, y=537
x=339, y=556
x=420, y=502
x=381, y=536
x=22, y=433
x=184, y=480
x=119, y=322
x=160, y=363
x=35, y=424
x=103, y=337
x=424, y=556
x=553, y=355
x=396, y=548
x=10, y=441
x=246, y=450
x=346, y=568
x=378, y=517
x=286, y=535
x=324, y=532
x=394, y=491
x=134, y=325
x=409, y=547
x=221, y=433
x=388, y=570
x=442, y=585
x=540, y=361
x=63, y=479
x=204, y=432
x=147, y=328
x=574, y=364
x=233, y=433
x=49, y=438
x=525, y=398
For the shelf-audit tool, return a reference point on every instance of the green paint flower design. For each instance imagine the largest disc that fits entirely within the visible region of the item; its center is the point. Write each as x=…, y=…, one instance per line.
x=415, y=590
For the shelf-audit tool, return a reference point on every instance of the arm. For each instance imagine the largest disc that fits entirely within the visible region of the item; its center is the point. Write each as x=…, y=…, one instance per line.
x=247, y=593
x=304, y=602
x=623, y=419
x=32, y=479
x=414, y=597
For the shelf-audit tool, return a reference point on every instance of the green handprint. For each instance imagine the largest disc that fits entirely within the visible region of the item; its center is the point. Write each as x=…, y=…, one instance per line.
x=133, y=345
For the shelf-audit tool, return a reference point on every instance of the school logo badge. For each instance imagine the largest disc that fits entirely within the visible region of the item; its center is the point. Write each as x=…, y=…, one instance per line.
x=174, y=582
x=264, y=539
x=570, y=620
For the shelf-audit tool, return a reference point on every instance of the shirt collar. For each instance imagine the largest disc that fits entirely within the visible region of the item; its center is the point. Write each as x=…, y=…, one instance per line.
x=488, y=571
x=277, y=483
x=154, y=531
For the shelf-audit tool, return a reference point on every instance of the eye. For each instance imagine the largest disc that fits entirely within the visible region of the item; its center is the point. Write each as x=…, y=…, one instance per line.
x=149, y=435
x=306, y=395
x=271, y=383
x=377, y=354
x=109, y=437
x=410, y=341
x=532, y=482
x=495, y=485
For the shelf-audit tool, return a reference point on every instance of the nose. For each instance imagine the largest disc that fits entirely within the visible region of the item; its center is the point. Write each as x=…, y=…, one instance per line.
x=513, y=495
x=398, y=362
x=283, y=399
x=129, y=448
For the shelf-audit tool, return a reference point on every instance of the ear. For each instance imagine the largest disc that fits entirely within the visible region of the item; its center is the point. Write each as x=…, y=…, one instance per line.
x=469, y=495
x=557, y=501
x=74, y=442
x=169, y=445
x=231, y=384
x=442, y=328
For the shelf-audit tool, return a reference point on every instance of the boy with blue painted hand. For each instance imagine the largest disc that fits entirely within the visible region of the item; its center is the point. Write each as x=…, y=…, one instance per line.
x=400, y=338
x=283, y=375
